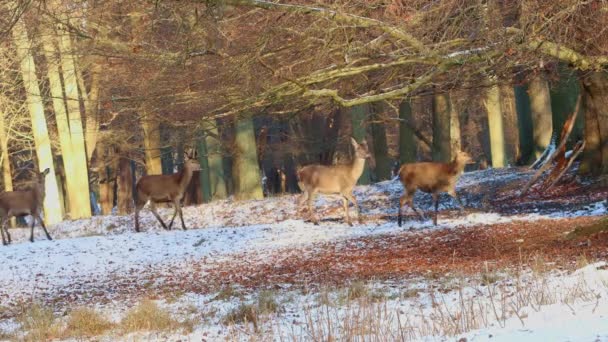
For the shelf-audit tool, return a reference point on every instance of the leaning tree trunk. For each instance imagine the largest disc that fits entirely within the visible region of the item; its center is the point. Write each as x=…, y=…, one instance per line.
x=152, y=143
x=496, y=127
x=80, y=206
x=540, y=105
x=446, y=128
x=595, y=95
x=246, y=170
x=52, y=205
x=216, y=162
x=358, y=115
x=511, y=123
x=407, y=139
x=383, y=162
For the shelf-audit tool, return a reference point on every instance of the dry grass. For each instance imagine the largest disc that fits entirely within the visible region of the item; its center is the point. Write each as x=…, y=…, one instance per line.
x=148, y=316
x=85, y=322
x=38, y=324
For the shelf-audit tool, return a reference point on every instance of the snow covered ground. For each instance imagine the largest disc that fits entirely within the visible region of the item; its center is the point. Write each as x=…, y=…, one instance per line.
x=98, y=261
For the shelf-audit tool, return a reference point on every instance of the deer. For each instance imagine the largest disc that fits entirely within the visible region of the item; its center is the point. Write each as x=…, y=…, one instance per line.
x=433, y=178
x=333, y=180
x=165, y=188
x=22, y=203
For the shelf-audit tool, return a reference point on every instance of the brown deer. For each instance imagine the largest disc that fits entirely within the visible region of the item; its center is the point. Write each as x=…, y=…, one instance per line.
x=22, y=203
x=333, y=180
x=165, y=188
x=433, y=178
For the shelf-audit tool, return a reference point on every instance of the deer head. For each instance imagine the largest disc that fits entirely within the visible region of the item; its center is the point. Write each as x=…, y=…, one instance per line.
x=361, y=150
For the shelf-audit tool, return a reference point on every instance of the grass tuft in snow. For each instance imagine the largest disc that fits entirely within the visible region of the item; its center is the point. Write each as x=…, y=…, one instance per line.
x=38, y=324
x=148, y=316
x=266, y=304
x=85, y=322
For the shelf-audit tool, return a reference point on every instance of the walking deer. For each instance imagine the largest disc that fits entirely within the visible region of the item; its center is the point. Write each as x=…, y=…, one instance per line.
x=431, y=177
x=165, y=188
x=22, y=203
x=333, y=180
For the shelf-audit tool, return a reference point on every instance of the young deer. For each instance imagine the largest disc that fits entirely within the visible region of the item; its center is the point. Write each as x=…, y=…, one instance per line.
x=431, y=177
x=333, y=180
x=164, y=188
x=22, y=203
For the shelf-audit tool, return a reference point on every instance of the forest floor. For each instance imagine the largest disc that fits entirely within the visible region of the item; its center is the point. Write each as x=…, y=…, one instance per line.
x=505, y=266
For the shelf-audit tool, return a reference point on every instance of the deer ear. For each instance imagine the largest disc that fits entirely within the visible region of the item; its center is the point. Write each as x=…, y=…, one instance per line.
x=353, y=142
x=46, y=171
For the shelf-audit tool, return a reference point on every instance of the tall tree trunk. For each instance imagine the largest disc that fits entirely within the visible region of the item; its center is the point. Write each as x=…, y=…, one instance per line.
x=511, y=128
x=563, y=101
x=91, y=107
x=595, y=92
x=383, y=162
x=540, y=105
x=107, y=179
x=204, y=177
x=72, y=186
x=446, y=128
x=52, y=205
x=216, y=163
x=407, y=138
x=524, y=120
x=358, y=116
x=152, y=144
x=80, y=206
x=246, y=170
x=6, y=161
x=496, y=128
x=124, y=186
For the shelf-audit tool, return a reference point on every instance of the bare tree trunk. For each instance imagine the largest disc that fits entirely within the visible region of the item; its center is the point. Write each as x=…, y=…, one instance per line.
x=52, y=205
x=511, y=125
x=595, y=92
x=407, y=140
x=80, y=206
x=358, y=115
x=216, y=163
x=540, y=105
x=204, y=173
x=383, y=162
x=6, y=161
x=496, y=128
x=125, y=186
x=524, y=119
x=248, y=182
x=92, y=108
x=446, y=128
x=151, y=128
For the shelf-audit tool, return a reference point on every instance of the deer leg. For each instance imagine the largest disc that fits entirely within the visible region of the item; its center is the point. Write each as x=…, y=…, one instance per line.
x=402, y=201
x=153, y=209
x=311, y=196
x=345, y=205
x=48, y=236
x=176, y=208
x=138, y=207
x=302, y=199
x=3, y=229
x=354, y=200
x=436, y=201
x=181, y=217
x=32, y=228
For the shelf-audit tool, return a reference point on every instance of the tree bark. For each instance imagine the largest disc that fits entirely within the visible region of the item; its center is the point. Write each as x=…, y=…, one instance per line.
x=35, y=104
x=216, y=163
x=524, y=123
x=246, y=171
x=358, y=115
x=407, y=140
x=563, y=101
x=446, y=128
x=7, y=178
x=511, y=124
x=496, y=127
x=92, y=109
x=80, y=206
x=204, y=177
x=383, y=162
x=152, y=145
x=124, y=186
x=595, y=96
x=540, y=105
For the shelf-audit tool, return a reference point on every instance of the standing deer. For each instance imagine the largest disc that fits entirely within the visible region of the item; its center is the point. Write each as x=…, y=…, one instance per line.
x=165, y=188
x=333, y=180
x=431, y=177
x=22, y=203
